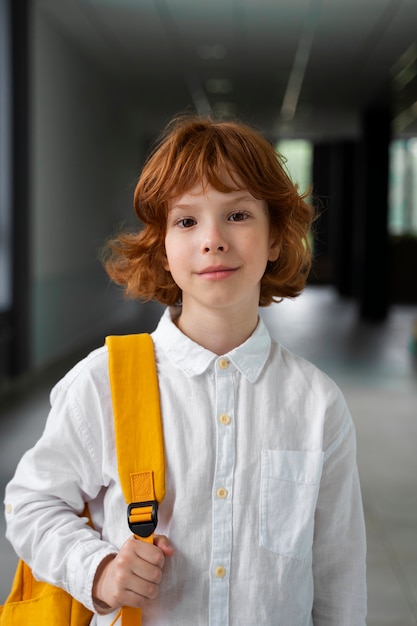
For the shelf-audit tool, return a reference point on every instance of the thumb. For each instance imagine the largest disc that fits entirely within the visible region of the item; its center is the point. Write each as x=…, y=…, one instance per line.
x=163, y=544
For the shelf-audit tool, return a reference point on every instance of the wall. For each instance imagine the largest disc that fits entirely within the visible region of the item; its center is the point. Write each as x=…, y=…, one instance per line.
x=84, y=164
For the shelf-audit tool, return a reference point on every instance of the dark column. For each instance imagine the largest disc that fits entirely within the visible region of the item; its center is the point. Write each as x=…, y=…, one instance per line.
x=6, y=212
x=371, y=257
x=334, y=180
x=14, y=179
x=344, y=182
x=20, y=186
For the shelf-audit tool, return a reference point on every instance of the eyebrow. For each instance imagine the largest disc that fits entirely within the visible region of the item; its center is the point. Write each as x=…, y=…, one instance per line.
x=243, y=197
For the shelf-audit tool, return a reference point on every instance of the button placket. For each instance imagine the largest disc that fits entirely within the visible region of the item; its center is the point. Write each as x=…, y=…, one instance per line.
x=222, y=492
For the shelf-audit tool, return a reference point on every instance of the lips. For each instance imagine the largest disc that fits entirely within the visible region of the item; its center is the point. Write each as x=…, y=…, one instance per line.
x=217, y=271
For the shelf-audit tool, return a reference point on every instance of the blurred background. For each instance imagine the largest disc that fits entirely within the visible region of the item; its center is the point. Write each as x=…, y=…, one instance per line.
x=85, y=88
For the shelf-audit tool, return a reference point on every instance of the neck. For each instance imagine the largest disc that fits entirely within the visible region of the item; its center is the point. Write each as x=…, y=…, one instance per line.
x=217, y=331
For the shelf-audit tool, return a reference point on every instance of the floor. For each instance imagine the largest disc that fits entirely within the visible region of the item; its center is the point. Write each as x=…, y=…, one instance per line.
x=376, y=367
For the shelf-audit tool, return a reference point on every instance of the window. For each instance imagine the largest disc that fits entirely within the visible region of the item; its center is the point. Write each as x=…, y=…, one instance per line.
x=402, y=207
x=299, y=156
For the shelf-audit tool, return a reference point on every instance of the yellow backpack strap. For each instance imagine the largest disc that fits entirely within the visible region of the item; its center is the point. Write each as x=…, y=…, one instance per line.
x=138, y=434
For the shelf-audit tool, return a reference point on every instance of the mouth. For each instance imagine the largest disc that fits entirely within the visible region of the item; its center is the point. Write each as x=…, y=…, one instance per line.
x=217, y=272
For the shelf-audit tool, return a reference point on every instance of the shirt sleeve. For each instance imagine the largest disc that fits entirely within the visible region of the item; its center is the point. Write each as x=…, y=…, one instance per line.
x=339, y=549
x=52, y=482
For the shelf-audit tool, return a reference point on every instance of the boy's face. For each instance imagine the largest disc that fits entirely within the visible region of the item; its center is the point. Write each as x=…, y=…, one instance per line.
x=217, y=248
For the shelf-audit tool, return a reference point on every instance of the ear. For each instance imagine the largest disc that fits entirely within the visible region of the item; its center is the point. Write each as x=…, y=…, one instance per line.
x=165, y=263
x=274, y=247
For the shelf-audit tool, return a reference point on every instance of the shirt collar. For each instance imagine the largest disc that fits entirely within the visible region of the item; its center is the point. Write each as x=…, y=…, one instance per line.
x=249, y=358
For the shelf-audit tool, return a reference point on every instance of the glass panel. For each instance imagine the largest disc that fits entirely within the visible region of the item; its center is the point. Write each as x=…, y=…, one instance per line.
x=299, y=156
x=402, y=213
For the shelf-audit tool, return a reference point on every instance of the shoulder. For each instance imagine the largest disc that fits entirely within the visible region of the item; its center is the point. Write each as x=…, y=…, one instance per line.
x=81, y=406
x=303, y=372
x=313, y=393
x=92, y=371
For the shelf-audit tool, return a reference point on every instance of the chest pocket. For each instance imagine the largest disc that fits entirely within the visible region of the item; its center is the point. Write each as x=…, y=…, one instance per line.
x=290, y=483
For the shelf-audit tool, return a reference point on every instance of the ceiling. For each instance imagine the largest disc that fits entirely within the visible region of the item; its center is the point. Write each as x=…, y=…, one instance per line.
x=295, y=67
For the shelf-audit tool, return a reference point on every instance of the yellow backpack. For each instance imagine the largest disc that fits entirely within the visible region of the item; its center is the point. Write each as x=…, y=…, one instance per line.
x=141, y=464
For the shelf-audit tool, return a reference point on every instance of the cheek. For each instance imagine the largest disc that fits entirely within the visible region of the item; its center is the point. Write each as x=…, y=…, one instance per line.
x=167, y=255
x=174, y=254
x=259, y=246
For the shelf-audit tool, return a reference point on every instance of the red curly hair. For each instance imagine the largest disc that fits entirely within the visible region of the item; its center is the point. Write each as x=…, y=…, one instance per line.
x=199, y=150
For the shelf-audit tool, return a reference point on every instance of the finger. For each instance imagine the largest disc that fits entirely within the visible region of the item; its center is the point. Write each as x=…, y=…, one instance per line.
x=137, y=600
x=163, y=544
x=149, y=552
x=129, y=580
x=146, y=571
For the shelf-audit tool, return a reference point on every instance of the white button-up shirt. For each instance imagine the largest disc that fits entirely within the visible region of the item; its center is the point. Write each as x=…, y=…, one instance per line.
x=263, y=504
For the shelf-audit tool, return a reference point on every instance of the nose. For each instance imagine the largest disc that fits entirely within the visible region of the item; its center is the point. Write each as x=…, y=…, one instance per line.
x=214, y=240
x=210, y=247
x=214, y=245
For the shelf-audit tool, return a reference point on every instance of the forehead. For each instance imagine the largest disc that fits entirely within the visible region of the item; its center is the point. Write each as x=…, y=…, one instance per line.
x=205, y=192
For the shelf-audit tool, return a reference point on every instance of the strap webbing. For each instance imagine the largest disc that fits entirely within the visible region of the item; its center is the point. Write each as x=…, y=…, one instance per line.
x=137, y=425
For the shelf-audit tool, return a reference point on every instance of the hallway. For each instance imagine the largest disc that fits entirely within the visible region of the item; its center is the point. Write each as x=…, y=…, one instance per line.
x=375, y=367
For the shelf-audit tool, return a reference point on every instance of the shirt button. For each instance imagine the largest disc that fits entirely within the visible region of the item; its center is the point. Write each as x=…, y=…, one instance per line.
x=220, y=572
x=225, y=419
x=222, y=493
x=9, y=508
x=223, y=364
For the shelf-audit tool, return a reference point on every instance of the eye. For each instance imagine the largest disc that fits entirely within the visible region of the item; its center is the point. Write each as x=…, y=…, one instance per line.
x=238, y=216
x=185, y=222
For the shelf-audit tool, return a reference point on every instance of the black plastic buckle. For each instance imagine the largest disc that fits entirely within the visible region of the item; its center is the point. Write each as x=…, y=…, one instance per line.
x=143, y=529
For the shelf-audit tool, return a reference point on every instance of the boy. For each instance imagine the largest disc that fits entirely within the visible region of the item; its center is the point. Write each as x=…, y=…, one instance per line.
x=262, y=521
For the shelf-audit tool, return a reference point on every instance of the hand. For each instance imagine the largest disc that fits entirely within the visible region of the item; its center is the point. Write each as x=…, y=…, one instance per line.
x=131, y=577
